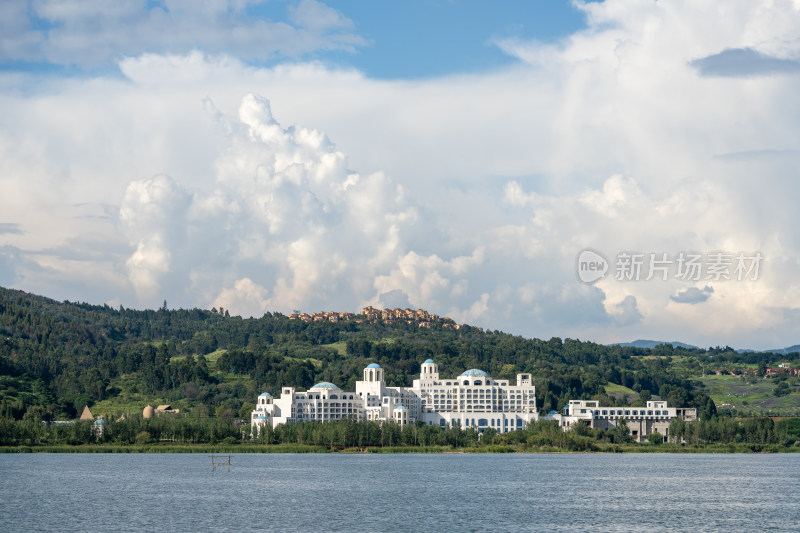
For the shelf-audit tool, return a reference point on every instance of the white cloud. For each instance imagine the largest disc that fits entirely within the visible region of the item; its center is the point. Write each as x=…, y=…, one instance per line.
x=246, y=298
x=146, y=265
x=467, y=195
x=98, y=32
x=313, y=14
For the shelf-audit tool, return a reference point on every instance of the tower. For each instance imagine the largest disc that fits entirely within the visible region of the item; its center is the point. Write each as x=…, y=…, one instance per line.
x=373, y=373
x=429, y=370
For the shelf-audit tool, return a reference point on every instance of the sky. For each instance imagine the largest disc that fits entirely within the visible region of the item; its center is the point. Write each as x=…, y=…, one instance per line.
x=606, y=171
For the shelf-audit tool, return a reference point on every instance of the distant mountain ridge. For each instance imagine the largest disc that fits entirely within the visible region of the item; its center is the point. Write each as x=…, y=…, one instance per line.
x=784, y=351
x=642, y=343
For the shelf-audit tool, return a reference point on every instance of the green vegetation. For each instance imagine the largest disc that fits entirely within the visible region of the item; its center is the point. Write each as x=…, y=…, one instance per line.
x=56, y=357
x=751, y=396
x=179, y=434
x=621, y=392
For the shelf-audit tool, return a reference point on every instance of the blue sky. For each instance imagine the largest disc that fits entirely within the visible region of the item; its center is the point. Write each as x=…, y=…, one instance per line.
x=433, y=38
x=415, y=39
x=452, y=156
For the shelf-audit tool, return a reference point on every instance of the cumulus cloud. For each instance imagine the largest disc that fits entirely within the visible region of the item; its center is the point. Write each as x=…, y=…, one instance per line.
x=627, y=312
x=148, y=214
x=285, y=220
x=693, y=295
x=246, y=297
x=428, y=279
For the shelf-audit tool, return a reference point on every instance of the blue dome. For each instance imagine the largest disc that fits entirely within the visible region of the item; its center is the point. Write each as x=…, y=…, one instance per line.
x=261, y=417
x=99, y=422
x=428, y=361
x=324, y=385
x=400, y=408
x=474, y=372
x=265, y=394
x=373, y=365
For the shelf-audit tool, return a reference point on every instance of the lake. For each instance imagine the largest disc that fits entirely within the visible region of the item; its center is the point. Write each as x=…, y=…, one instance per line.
x=400, y=492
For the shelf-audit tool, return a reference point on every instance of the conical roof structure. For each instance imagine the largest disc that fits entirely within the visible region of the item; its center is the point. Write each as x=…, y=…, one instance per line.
x=87, y=414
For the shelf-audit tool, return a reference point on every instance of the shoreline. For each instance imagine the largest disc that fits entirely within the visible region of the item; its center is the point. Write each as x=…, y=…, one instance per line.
x=303, y=448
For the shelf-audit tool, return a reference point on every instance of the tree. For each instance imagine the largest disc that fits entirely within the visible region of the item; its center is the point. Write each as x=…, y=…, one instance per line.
x=580, y=428
x=655, y=438
x=620, y=434
x=224, y=413
x=677, y=429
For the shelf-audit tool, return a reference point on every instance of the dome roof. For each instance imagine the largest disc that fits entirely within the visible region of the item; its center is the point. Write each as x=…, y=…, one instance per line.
x=265, y=394
x=474, y=372
x=399, y=408
x=99, y=422
x=324, y=385
x=261, y=417
x=148, y=412
x=373, y=365
x=428, y=362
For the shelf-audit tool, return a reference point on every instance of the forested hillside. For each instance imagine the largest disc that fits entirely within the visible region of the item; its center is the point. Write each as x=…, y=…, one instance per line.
x=56, y=357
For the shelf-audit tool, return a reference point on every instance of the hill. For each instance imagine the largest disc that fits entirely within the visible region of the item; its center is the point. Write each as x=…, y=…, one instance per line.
x=56, y=357
x=787, y=350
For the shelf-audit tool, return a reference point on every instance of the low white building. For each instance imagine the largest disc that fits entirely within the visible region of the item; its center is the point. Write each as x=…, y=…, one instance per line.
x=473, y=399
x=642, y=421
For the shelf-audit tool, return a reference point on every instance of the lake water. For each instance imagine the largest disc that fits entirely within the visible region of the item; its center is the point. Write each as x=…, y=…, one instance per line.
x=322, y=493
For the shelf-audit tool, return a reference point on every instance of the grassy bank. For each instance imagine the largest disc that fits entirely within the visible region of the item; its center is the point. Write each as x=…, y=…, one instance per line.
x=168, y=448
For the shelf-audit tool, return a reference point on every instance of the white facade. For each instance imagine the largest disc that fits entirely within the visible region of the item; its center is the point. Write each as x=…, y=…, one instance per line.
x=322, y=402
x=473, y=399
x=642, y=421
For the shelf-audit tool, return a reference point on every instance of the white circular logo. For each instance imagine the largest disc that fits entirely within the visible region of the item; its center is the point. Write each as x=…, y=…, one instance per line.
x=591, y=266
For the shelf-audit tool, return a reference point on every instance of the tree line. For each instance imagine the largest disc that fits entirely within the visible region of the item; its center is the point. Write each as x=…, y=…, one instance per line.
x=348, y=433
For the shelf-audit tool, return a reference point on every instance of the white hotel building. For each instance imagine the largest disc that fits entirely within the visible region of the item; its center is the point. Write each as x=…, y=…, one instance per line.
x=473, y=399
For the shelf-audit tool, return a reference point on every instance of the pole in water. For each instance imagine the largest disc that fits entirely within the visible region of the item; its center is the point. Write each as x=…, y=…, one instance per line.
x=215, y=463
